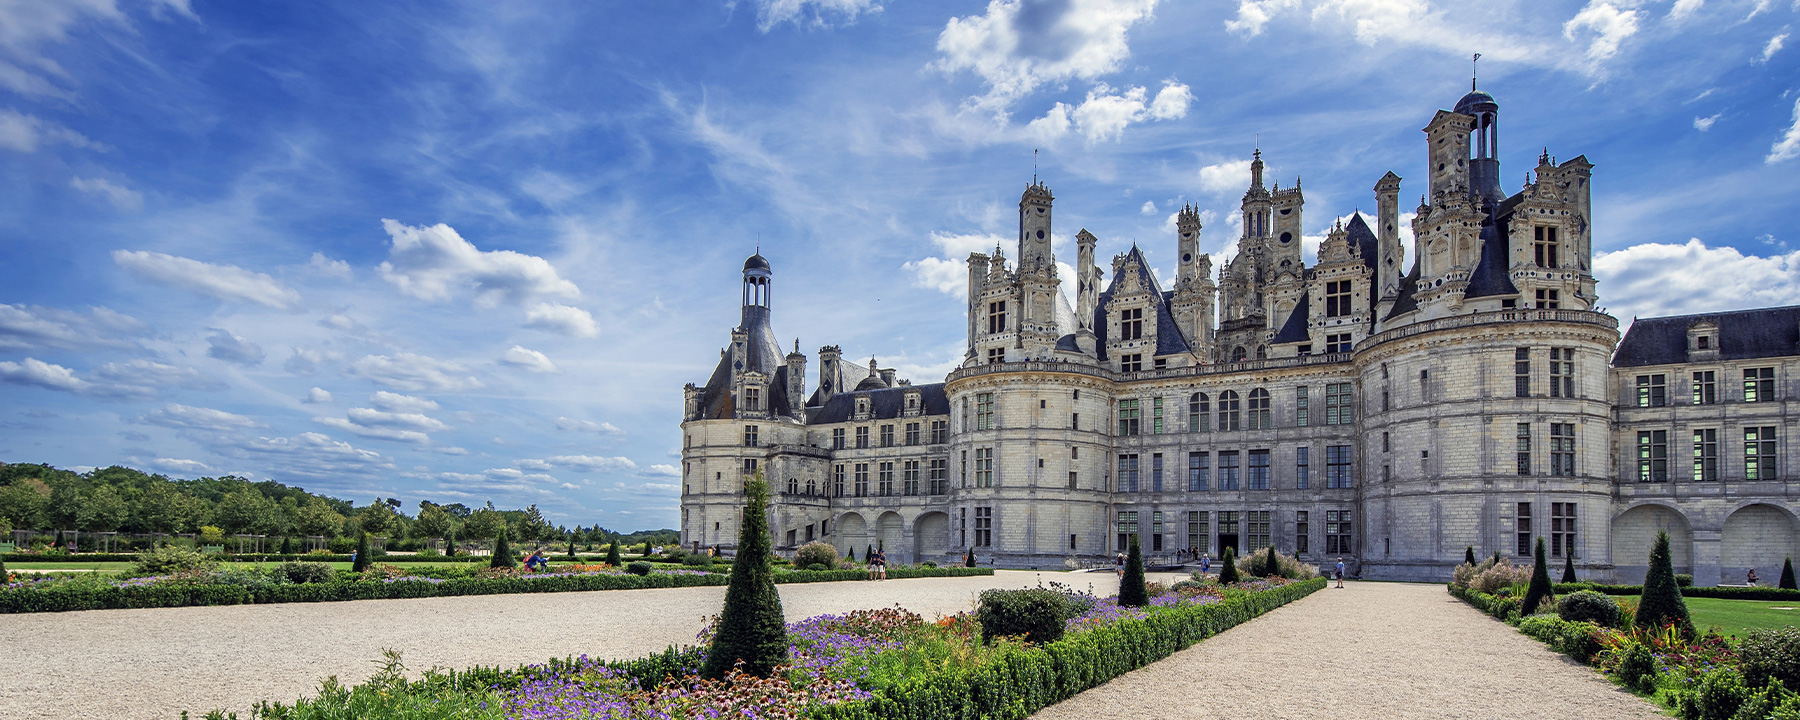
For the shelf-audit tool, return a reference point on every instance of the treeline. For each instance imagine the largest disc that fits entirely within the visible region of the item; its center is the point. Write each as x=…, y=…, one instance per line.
x=122, y=499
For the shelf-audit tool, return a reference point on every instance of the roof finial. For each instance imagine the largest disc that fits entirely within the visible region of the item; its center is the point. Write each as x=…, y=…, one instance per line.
x=1034, y=166
x=1473, y=66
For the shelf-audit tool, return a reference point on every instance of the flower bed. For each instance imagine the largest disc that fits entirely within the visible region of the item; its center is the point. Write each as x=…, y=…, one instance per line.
x=249, y=585
x=887, y=664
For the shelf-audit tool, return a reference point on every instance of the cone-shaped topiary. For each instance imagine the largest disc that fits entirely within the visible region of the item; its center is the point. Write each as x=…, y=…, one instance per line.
x=1469, y=555
x=1661, y=603
x=1569, y=568
x=1540, y=583
x=646, y=548
x=287, y=545
x=850, y=554
x=1270, y=566
x=1496, y=557
x=612, y=554
x=751, y=628
x=869, y=552
x=503, y=557
x=571, y=547
x=1787, y=575
x=1132, y=592
x=361, y=562
x=1228, y=573
x=969, y=559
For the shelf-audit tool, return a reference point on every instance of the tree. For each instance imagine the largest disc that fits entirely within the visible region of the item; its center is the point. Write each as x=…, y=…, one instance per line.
x=63, y=509
x=1132, y=592
x=1469, y=555
x=850, y=554
x=317, y=517
x=432, y=521
x=483, y=524
x=646, y=548
x=968, y=560
x=104, y=510
x=1540, y=583
x=751, y=628
x=164, y=508
x=378, y=518
x=1228, y=573
x=24, y=502
x=361, y=562
x=532, y=525
x=1787, y=574
x=503, y=557
x=1660, y=602
x=612, y=554
x=1569, y=567
x=1270, y=566
x=242, y=511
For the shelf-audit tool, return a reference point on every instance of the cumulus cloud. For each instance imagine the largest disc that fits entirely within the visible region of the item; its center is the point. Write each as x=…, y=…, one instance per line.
x=1252, y=15
x=225, y=282
x=227, y=346
x=27, y=327
x=560, y=318
x=601, y=428
x=1226, y=177
x=1604, y=26
x=409, y=371
x=121, y=197
x=188, y=417
x=591, y=463
x=1788, y=147
x=329, y=267
x=950, y=272
x=532, y=360
x=662, y=471
x=26, y=133
x=1020, y=45
x=434, y=263
x=317, y=396
x=37, y=373
x=305, y=361
x=1704, y=124
x=1655, y=279
x=770, y=13
x=395, y=402
x=1106, y=113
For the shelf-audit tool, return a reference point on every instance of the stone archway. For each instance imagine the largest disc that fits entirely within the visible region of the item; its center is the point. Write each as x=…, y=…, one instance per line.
x=890, y=530
x=931, y=537
x=852, y=534
x=1634, y=535
x=1759, y=537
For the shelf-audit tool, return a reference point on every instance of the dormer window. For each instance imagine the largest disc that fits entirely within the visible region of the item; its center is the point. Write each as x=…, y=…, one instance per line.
x=753, y=399
x=997, y=316
x=1703, y=343
x=862, y=407
x=1131, y=324
x=1544, y=246
x=1337, y=298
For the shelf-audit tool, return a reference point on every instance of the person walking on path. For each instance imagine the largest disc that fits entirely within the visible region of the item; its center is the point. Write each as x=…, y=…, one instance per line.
x=1751, y=578
x=1205, y=564
x=1339, y=573
x=880, y=565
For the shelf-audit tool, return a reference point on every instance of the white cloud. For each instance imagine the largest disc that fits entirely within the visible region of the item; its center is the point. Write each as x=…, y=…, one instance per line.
x=1149, y=208
x=1704, y=124
x=26, y=26
x=142, y=377
x=378, y=432
x=1774, y=46
x=950, y=273
x=1604, y=25
x=591, y=463
x=26, y=133
x=1788, y=147
x=317, y=396
x=1054, y=124
x=310, y=455
x=532, y=360
x=770, y=13
x=1226, y=177
x=1171, y=102
x=38, y=373
x=560, y=318
x=395, y=402
x=188, y=417
x=1684, y=8
x=662, y=471
x=226, y=282
x=409, y=371
x=305, y=361
x=602, y=428
x=121, y=197
x=1252, y=15
x=24, y=327
x=370, y=417
x=1656, y=279
x=226, y=345
x=1019, y=45
x=329, y=267
x=433, y=263
x=179, y=466
x=1104, y=115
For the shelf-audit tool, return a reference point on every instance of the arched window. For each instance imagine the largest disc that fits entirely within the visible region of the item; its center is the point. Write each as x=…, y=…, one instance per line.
x=1259, y=409
x=793, y=486
x=1199, y=413
x=1238, y=354
x=1262, y=352
x=1228, y=410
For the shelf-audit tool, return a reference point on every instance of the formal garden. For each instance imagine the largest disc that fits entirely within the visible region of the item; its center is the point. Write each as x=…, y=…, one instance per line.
x=1702, y=653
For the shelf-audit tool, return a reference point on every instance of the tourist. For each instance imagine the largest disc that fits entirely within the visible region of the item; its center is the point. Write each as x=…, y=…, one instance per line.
x=1119, y=564
x=536, y=561
x=1339, y=572
x=1751, y=578
x=881, y=564
x=1205, y=564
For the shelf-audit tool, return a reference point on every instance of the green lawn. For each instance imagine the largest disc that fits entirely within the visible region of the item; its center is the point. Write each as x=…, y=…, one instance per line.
x=1733, y=617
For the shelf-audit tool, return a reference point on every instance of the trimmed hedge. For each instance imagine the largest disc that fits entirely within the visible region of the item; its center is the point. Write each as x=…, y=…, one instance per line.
x=1723, y=593
x=74, y=597
x=1020, y=681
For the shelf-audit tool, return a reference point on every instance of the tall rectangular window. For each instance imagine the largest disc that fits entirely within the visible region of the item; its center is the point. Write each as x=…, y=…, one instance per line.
x=1706, y=455
x=1522, y=529
x=887, y=436
x=1156, y=416
x=1228, y=525
x=1199, y=466
x=996, y=316
x=984, y=411
x=1521, y=372
x=885, y=479
x=1260, y=418
x=1759, y=453
x=1337, y=532
x=1524, y=448
x=1199, y=413
x=837, y=480
x=1131, y=324
x=862, y=479
x=1337, y=298
x=1544, y=246
x=1128, y=473
x=1156, y=531
x=984, y=527
x=1128, y=417
x=1337, y=467
x=984, y=467
x=1562, y=372
x=1549, y=299
x=1229, y=410
x=1653, y=455
x=1652, y=391
x=1302, y=411
x=1339, y=409
x=1156, y=472
x=909, y=477
x=940, y=480
x=912, y=433
x=837, y=438
x=1228, y=470
x=1199, y=535
x=1562, y=529
x=862, y=437
x=1256, y=476
x=940, y=432
x=1562, y=449
x=1127, y=527
x=1759, y=384
x=1302, y=530
x=750, y=436
x=1133, y=362
x=1302, y=467
x=1256, y=530
x=1706, y=388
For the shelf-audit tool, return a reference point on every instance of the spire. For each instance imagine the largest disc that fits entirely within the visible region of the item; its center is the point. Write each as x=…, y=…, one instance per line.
x=1473, y=67
x=1256, y=169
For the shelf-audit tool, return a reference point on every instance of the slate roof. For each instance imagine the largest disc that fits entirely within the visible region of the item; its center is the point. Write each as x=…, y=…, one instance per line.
x=1169, y=339
x=1490, y=276
x=1742, y=335
x=884, y=404
x=1294, y=330
x=761, y=353
x=1406, y=302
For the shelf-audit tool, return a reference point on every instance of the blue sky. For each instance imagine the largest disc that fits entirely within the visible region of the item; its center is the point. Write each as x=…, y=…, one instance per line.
x=471, y=251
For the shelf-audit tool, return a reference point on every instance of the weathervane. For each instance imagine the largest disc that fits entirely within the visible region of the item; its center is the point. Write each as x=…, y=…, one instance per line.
x=1473, y=66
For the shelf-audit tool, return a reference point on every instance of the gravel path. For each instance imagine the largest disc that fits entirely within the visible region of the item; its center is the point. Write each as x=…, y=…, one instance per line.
x=152, y=664
x=1375, y=650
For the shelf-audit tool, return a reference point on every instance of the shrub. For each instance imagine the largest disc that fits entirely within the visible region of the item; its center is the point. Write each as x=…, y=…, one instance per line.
x=1661, y=603
x=638, y=567
x=816, y=553
x=1589, y=606
x=699, y=560
x=1132, y=592
x=612, y=554
x=646, y=548
x=1038, y=614
x=1770, y=654
x=1684, y=580
x=341, y=545
x=929, y=564
x=1539, y=591
x=305, y=572
x=968, y=559
x=1635, y=664
x=1575, y=639
x=850, y=554
x=751, y=635
x=1469, y=555
x=1286, y=566
x=1228, y=570
x=361, y=562
x=429, y=551
x=209, y=535
x=172, y=558
x=1499, y=576
x=1569, y=568
x=676, y=553
x=1717, y=696
x=503, y=556
x=1787, y=575
x=818, y=567
x=1270, y=566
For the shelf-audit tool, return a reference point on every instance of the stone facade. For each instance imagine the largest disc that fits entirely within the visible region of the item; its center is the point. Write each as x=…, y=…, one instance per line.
x=1345, y=410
